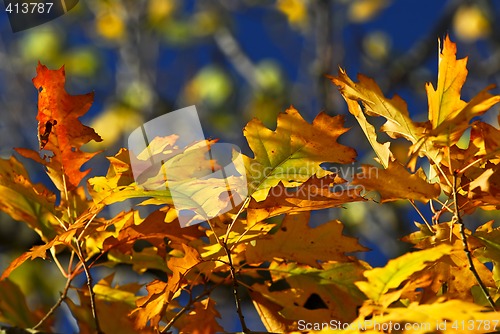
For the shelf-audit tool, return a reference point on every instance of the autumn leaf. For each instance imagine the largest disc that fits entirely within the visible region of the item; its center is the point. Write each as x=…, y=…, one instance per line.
x=59, y=129
x=369, y=94
x=314, y=194
x=382, y=151
x=396, y=182
x=269, y=313
x=201, y=319
x=455, y=264
x=293, y=152
x=314, y=295
x=296, y=241
x=381, y=280
x=13, y=307
x=448, y=114
x=110, y=300
x=152, y=307
x=30, y=203
x=437, y=314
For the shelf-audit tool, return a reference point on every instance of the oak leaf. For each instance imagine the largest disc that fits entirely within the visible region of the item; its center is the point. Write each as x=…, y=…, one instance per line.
x=314, y=295
x=448, y=114
x=152, y=307
x=453, y=269
x=201, y=319
x=296, y=241
x=436, y=314
x=59, y=129
x=293, y=152
x=396, y=182
x=369, y=94
x=382, y=280
x=30, y=203
x=314, y=194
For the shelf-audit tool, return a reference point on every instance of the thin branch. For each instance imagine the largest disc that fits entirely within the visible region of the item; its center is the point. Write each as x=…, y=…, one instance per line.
x=235, y=290
x=93, y=307
x=57, y=304
x=412, y=202
x=472, y=268
x=232, y=270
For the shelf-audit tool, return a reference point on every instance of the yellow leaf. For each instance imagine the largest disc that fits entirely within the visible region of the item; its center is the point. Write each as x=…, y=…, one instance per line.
x=448, y=114
x=201, y=319
x=295, y=11
x=313, y=295
x=381, y=280
x=452, y=316
x=396, y=182
x=382, y=151
x=375, y=103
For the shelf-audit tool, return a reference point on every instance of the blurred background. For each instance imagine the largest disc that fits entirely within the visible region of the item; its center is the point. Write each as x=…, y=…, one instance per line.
x=235, y=60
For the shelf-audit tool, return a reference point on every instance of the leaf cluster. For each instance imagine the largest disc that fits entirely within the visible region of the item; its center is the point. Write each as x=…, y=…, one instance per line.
x=294, y=273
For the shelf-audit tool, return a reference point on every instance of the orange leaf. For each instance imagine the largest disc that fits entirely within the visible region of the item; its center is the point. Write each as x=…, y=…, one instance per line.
x=152, y=307
x=201, y=320
x=59, y=129
x=296, y=241
x=314, y=194
x=396, y=182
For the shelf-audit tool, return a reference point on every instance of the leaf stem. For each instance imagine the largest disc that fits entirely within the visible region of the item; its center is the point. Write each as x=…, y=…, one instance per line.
x=467, y=251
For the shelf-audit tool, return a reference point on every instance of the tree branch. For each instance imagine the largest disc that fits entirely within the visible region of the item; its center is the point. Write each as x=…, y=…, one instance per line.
x=472, y=268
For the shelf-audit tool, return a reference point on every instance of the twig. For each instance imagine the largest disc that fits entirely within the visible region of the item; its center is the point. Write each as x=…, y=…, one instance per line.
x=57, y=304
x=79, y=253
x=412, y=202
x=233, y=52
x=186, y=308
x=226, y=237
x=472, y=268
x=234, y=278
x=235, y=289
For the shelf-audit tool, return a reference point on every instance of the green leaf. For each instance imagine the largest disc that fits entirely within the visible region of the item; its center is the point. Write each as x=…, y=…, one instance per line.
x=293, y=152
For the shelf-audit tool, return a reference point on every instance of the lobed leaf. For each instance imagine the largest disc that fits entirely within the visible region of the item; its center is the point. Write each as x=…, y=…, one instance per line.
x=293, y=152
x=59, y=129
x=381, y=280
